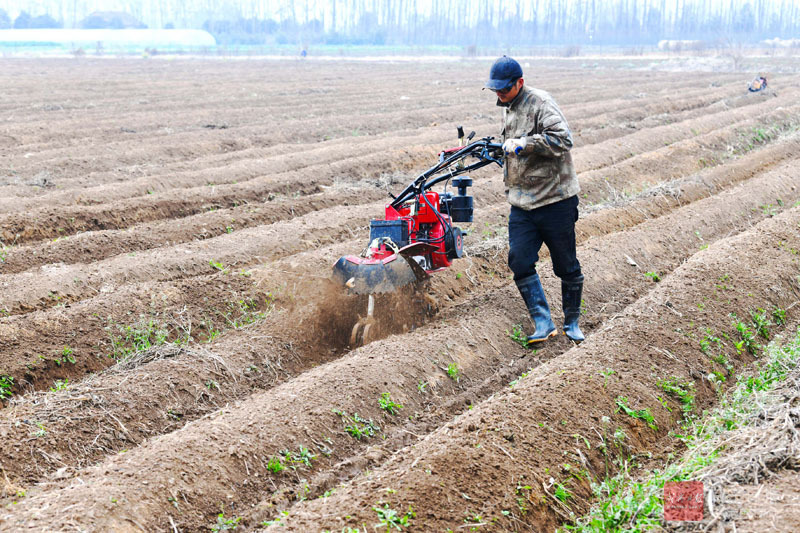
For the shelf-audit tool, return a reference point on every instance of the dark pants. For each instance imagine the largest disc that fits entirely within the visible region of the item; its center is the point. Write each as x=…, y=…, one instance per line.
x=553, y=225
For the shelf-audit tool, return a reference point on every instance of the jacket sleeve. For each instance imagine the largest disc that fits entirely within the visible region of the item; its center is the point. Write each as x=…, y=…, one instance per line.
x=555, y=138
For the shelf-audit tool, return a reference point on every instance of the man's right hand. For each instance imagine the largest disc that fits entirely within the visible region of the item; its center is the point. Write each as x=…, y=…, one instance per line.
x=515, y=146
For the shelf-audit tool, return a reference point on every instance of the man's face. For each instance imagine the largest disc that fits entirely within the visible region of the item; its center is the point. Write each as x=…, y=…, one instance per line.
x=509, y=94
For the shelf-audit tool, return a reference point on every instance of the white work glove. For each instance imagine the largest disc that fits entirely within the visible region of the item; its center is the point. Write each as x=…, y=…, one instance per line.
x=515, y=146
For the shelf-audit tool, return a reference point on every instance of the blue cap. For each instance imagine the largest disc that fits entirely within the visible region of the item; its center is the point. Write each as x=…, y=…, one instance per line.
x=504, y=71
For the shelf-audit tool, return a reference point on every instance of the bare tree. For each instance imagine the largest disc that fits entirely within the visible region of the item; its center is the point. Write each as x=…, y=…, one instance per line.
x=456, y=22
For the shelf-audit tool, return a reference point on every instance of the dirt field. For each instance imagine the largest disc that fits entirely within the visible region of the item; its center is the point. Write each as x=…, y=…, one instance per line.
x=176, y=358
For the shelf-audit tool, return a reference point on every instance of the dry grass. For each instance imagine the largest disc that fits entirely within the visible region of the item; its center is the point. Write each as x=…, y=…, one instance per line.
x=768, y=444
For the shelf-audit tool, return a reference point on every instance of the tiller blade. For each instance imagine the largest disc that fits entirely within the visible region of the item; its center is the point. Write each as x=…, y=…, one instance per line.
x=375, y=276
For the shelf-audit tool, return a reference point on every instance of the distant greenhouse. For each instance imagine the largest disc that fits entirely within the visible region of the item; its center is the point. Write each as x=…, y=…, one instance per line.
x=126, y=39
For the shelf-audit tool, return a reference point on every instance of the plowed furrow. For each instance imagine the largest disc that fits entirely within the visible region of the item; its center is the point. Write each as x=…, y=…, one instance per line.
x=652, y=113
x=142, y=107
x=137, y=207
x=599, y=221
x=33, y=290
x=88, y=247
x=601, y=155
x=517, y=438
x=473, y=357
x=687, y=156
x=47, y=223
x=69, y=221
x=239, y=140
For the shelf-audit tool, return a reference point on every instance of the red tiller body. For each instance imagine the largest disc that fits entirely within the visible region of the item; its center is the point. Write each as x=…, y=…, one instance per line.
x=426, y=224
x=416, y=236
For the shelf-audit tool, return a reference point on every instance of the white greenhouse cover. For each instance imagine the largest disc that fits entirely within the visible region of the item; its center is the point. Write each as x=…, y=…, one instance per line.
x=110, y=37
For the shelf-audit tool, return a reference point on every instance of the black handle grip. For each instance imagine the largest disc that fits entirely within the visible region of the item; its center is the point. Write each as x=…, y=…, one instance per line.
x=471, y=135
x=461, y=132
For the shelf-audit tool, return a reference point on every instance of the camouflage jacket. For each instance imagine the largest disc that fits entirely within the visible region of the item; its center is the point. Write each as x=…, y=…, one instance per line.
x=543, y=172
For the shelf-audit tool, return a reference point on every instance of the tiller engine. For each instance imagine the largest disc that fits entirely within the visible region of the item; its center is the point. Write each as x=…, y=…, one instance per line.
x=417, y=237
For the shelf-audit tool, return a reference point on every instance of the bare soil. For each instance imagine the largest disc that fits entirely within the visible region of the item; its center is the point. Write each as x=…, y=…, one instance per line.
x=173, y=213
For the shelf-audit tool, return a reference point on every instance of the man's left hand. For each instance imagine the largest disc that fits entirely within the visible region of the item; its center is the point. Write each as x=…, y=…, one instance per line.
x=515, y=146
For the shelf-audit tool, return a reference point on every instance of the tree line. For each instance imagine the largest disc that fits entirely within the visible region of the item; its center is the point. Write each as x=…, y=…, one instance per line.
x=447, y=22
x=25, y=21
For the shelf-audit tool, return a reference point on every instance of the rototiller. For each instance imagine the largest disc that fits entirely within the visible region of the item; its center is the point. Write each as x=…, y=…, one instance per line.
x=417, y=237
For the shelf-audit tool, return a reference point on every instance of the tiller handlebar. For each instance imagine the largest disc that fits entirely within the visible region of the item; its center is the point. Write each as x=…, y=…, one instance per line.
x=417, y=236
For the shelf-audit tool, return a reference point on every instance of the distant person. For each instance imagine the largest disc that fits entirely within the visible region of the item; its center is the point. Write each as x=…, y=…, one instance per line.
x=303, y=53
x=542, y=188
x=758, y=84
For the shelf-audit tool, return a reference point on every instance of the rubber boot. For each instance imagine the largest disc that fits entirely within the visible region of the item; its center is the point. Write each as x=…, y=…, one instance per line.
x=571, y=292
x=532, y=292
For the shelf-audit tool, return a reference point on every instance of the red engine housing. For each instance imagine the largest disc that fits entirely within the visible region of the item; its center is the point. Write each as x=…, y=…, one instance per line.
x=424, y=221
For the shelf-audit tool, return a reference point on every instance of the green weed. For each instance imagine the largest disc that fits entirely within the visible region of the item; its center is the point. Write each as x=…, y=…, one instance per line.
x=357, y=427
x=386, y=403
x=217, y=265
x=277, y=521
x=641, y=414
x=301, y=457
x=653, y=275
x=476, y=519
x=522, y=498
x=391, y=519
x=41, y=432
x=706, y=342
x=769, y=210
x=760, y=135
x=779, y=315
x=608, y=372
x=60, y=384
x=175, y=415
x=226, y=524
x=721, y=359
x=454, y=372
x=637, y=505
x=275, y=465
x=748, y=339
x=518, y=335
x=247, y=311
x=782, y=361
x=6, y=385
x=66, y=356
x=561, y=493
x=129, y=339
x=522, y=376
x=761, y=322
x=683, y=391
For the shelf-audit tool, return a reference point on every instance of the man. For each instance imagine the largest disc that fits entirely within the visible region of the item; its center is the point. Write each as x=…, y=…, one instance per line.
x=542, y=188
x=759, y=83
